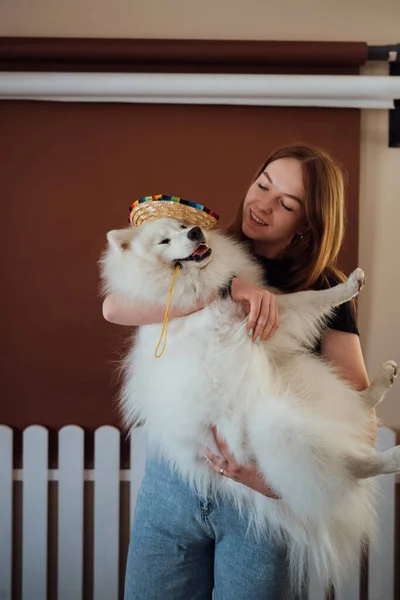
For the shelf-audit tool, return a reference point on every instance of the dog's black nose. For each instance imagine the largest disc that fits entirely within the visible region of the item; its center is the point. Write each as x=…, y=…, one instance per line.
x=195, y=234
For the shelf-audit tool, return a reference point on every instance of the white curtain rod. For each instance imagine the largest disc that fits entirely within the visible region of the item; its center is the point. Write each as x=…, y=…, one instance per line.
x=179, y=88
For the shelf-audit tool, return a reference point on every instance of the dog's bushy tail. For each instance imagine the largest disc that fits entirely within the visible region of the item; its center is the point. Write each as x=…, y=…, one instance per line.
x=330, y=551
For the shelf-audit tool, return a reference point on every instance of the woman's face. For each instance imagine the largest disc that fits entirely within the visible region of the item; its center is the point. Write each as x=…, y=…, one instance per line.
x=273, y=209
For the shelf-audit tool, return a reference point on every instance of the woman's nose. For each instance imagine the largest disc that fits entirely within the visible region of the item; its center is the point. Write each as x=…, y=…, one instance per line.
x=267, y=210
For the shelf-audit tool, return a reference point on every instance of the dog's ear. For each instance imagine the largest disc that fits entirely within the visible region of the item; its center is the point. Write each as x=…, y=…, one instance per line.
x=120, y=239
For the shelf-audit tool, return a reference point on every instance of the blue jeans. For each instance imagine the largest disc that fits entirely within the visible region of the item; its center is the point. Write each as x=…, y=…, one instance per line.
x=182, y=546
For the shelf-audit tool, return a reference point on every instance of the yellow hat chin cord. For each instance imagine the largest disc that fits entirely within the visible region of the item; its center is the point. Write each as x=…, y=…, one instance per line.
x=164, y=331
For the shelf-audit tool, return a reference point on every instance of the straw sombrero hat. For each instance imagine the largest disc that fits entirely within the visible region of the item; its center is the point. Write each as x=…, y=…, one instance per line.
x=160, y=206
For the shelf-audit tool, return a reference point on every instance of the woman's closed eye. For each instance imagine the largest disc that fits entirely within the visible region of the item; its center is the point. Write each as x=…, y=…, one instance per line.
x=263, y=188
x=285, y=206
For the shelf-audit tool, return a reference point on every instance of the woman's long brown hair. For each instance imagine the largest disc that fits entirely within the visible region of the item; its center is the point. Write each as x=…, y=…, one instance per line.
x=313, y=256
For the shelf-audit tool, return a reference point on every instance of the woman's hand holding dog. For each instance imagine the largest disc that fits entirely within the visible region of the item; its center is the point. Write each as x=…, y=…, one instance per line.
x=244, y=474
x=262, y=307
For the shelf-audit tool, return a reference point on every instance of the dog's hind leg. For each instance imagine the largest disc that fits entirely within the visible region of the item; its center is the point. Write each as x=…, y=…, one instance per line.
x=375, y=393
x=376, y=463
x=330, y=297
x=303, y=313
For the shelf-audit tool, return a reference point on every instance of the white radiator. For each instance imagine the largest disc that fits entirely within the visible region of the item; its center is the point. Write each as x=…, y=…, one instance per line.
x=108, y=479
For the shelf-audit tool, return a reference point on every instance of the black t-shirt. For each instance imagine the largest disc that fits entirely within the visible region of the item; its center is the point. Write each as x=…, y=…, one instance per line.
x=343, y=317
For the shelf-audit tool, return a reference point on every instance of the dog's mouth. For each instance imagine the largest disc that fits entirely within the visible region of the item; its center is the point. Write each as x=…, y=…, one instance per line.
x=201, y=253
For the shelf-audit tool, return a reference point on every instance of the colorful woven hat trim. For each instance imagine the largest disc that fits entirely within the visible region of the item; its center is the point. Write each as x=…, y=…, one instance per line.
x=152, y=207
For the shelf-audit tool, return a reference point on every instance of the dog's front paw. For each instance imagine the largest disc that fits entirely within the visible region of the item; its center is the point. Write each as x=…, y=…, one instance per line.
x=357, y=279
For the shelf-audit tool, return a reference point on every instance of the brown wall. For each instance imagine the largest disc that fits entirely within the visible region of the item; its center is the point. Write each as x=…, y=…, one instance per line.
x=364, y=20
x=70, y=171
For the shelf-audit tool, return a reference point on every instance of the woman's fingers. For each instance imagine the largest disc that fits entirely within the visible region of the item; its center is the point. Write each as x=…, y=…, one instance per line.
x=216, y=468
x=262, y=318
x=245, y=474
x=272, y=323
x=266, y=322
x=214, y=459
x=269, y=322
x=226, y=461
x=262, y=307
x=223, y=447
x=230, y=469
x=255, y=307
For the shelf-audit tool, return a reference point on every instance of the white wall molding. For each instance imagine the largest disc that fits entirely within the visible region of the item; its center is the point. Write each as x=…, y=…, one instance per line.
x=342, y=91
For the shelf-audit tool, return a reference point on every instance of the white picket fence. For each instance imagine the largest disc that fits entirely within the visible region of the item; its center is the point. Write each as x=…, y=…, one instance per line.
x=107, y=477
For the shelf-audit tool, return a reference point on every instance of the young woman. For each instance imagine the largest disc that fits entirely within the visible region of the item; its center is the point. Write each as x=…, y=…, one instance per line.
x=182, y=545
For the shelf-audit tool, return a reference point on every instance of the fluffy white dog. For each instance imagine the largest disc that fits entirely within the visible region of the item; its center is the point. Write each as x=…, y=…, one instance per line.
x=274, y=403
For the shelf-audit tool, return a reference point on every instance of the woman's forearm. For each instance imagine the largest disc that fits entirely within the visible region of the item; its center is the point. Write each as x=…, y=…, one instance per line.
x=118, y=310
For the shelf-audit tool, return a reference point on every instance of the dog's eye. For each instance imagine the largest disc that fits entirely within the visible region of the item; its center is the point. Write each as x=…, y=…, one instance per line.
x=166, y=241
x=183, y=227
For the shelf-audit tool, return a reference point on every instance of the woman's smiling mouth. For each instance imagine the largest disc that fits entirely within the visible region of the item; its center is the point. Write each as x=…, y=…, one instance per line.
x=257, y=220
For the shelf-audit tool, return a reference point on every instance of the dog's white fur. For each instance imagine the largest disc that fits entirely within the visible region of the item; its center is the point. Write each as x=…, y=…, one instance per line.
x=274, y=403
